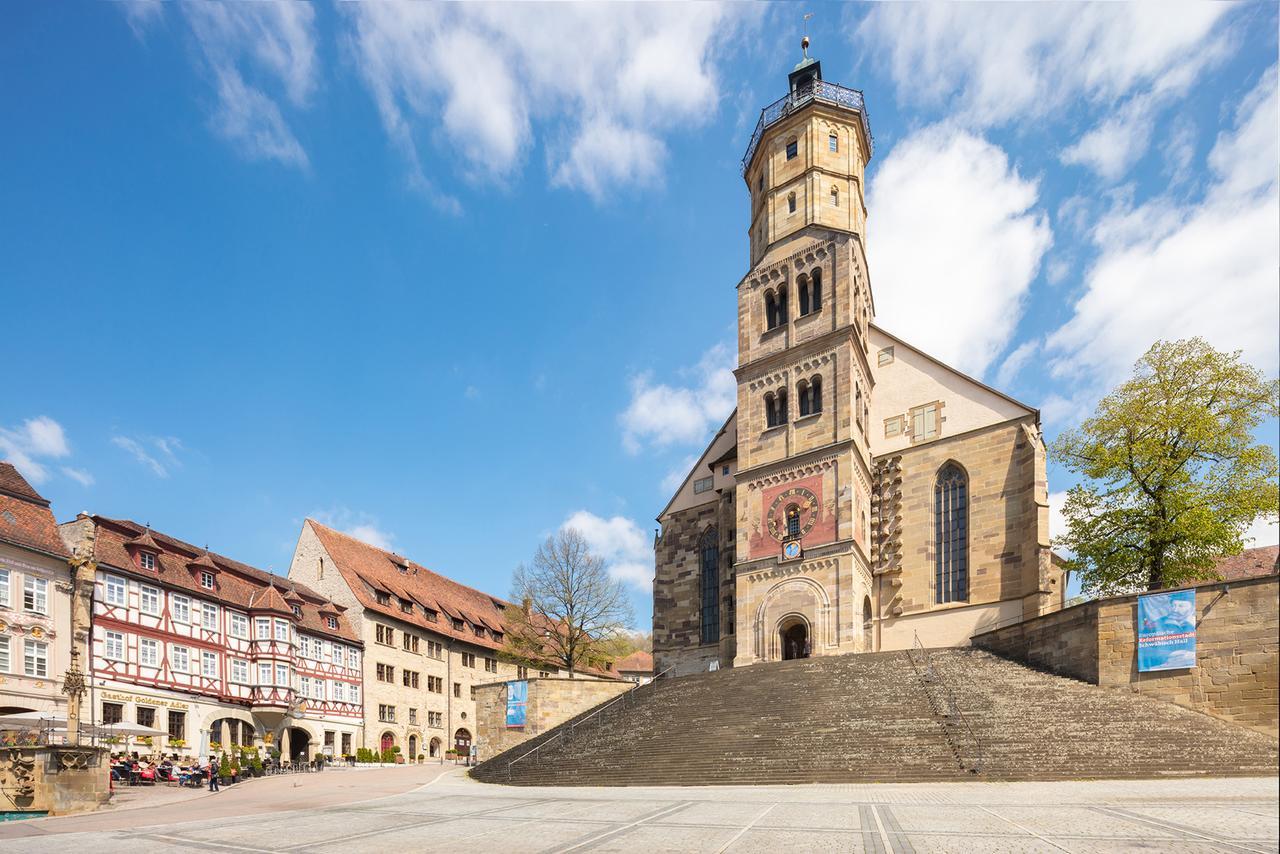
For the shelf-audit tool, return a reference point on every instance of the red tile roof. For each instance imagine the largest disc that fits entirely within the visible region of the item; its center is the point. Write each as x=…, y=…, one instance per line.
x=1250, y=563
x=367, y=568
x=237, y=584
x=637, y=662
x=25, y=517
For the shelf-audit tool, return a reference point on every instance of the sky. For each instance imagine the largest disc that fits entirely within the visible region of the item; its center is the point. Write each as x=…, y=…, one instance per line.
x=452, y=276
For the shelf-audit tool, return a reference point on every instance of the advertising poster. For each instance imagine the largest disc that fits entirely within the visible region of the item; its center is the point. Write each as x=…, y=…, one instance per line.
x=1167, y=630
x=517, y=702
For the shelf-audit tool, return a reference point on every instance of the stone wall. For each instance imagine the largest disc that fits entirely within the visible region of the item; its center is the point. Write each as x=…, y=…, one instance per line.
x=677, y=588
x=551, y=702
x=1237, y=651
x=56, y=780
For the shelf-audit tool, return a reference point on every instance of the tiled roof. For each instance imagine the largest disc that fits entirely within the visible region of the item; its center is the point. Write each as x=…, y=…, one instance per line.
x=367, y=568
x=637, y=662
x=237, y=584
x=25, y=517
x=13, y=483
x=1250, y=563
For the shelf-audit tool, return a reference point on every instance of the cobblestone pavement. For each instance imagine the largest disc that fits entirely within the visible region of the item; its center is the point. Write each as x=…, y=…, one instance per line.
x=452, y=813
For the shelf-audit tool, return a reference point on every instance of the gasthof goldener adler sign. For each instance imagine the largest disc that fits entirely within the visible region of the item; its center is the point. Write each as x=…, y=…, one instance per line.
x=1167, y=630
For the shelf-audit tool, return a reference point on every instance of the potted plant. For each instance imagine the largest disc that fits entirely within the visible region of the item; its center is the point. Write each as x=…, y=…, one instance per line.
x=420, y=758
x=215, y=746
x=319, y=760
x=177, y=743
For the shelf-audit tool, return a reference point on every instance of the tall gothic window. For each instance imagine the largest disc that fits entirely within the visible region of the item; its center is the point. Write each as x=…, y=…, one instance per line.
x=815, y=290
x=951, y=535
x=709, y=561
x=802, y=286
x=770, y=309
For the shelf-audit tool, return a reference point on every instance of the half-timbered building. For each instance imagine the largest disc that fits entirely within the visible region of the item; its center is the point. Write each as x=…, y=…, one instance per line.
x=212, y=651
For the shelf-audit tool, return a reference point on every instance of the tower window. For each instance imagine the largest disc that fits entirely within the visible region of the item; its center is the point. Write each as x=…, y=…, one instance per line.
x=857, y=407
x=793, y=521
x=833, y=142
x=760, y=182
x=775, y=408
x=775, y=308
x=802, y=286
x=709, y=560
x=951, y=535
x=835, y=197
x=810, y=287
x=810, y=394
x=793, y=148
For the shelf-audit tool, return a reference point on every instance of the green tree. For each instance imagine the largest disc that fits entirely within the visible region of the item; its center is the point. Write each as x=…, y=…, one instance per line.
x=1175, y=475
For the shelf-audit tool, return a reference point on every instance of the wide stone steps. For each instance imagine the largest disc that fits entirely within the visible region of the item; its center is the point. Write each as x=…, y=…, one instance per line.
x=868, y=718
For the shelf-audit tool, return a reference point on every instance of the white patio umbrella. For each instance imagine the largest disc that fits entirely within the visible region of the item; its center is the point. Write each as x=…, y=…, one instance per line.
x=126, y=728
x=35, y=718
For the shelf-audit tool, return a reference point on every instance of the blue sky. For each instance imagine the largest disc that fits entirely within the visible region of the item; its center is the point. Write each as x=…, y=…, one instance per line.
x=448, y=276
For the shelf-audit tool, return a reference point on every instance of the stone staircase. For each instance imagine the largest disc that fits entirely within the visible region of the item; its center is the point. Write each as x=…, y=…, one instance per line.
x=871, y=718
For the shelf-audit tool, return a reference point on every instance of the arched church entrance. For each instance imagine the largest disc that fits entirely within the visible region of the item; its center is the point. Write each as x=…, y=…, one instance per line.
x=462, y=742
x=794, y=635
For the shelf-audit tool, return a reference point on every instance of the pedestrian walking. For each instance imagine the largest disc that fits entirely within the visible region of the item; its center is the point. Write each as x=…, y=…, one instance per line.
x=213, y=773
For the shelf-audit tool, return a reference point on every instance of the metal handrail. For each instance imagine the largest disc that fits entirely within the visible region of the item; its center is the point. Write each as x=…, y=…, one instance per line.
x=819, y=90
x=933, y=676
x=574, y=725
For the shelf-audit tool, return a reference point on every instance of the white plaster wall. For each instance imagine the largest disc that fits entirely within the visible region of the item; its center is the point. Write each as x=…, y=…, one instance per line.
x=685, y=497
x=914, y=379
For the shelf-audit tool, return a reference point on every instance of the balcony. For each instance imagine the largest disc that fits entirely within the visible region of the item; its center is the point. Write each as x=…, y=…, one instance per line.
x=820, y=90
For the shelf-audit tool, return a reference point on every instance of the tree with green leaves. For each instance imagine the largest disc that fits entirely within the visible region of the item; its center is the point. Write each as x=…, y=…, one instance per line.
x=1175, y=474
x=571, y=609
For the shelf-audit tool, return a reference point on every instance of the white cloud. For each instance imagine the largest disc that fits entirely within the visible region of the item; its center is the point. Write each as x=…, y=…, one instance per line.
x=1116, y=143
x=957, y=194
x=1170, y=270
x=1263, y=532
x=1015, y=362
x=672, y=480
x=157, y=453
x=358, y=524
x=31, y=444
x=478, y=78
x=620, y=542
x=80, y=476
x=662, y=415
x=141, y=14
x=249, y=48
x=1057, y=523
x=995, y=63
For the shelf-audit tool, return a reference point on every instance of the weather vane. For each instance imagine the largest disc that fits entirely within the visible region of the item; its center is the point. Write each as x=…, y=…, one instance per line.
x=804, y=42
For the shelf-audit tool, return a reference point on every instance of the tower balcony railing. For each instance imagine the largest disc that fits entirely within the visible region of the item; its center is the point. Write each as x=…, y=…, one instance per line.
x=819, y=90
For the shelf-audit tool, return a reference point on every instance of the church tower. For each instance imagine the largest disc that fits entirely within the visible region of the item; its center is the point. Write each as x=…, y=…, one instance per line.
x=802, y=569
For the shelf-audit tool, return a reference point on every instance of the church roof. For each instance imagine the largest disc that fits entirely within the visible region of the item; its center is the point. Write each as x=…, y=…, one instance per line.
x=637, y=662
x=1250, y=563
x=25, y=517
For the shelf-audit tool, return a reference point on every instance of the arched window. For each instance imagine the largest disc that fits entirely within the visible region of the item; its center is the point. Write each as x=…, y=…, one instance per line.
x=770, y=410
x=802, y=287
x=810, y=393
x=866, y=623
x=709, y=565
x=951, y=535
x=791, y=203
x=793, y=521
x=857, y=406
x=815, y=289
x=433, y=750
x=783, y=412
x=771, y=314
x=802, y=392
x=835, y=197
x=782, y=305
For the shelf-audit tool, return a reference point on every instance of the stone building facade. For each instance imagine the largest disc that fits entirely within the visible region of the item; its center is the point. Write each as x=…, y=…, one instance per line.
x=429, y=641
x=862, y=492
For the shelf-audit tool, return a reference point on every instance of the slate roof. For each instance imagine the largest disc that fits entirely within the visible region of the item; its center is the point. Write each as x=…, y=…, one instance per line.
x=25, y=518
x=237, y=585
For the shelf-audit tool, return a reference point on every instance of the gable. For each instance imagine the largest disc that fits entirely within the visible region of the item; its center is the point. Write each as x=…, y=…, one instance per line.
x=914, y=379
x=719, y=451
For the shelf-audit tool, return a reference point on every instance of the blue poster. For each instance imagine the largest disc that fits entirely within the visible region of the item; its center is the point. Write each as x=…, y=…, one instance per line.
x=1167, y=630
x=517, y=702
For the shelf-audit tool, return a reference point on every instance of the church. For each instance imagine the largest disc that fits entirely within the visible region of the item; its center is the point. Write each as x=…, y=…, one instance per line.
x=863, y=494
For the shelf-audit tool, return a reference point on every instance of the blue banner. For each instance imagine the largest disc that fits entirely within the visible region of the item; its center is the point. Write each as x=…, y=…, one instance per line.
x=517, y=702
x=1167, y=630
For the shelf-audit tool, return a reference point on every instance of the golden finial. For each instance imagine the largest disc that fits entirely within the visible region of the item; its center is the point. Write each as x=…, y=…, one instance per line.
x=804, y=42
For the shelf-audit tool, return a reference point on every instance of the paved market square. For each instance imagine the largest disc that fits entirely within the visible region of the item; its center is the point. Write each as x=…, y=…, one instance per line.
x=437, y=808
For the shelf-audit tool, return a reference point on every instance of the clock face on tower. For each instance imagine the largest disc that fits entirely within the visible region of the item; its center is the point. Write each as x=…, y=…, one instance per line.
x=792, y=514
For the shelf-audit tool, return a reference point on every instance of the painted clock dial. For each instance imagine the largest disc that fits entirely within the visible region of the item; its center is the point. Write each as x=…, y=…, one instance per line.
x=803, y=500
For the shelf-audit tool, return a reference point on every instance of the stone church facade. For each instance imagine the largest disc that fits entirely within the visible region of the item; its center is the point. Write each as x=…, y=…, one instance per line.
x=863, y=493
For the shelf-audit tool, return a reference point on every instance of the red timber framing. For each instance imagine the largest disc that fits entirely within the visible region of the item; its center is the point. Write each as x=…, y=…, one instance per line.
x=170, y=616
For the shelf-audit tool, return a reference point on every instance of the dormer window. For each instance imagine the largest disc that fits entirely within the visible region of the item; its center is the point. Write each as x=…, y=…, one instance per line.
x=147, y=560
x=793, y=148
x=382, y=598
x=458, y=625
x=297, y=611
x=206, y=580
x=331, y=622
x=406, y=606
x=432, y=616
